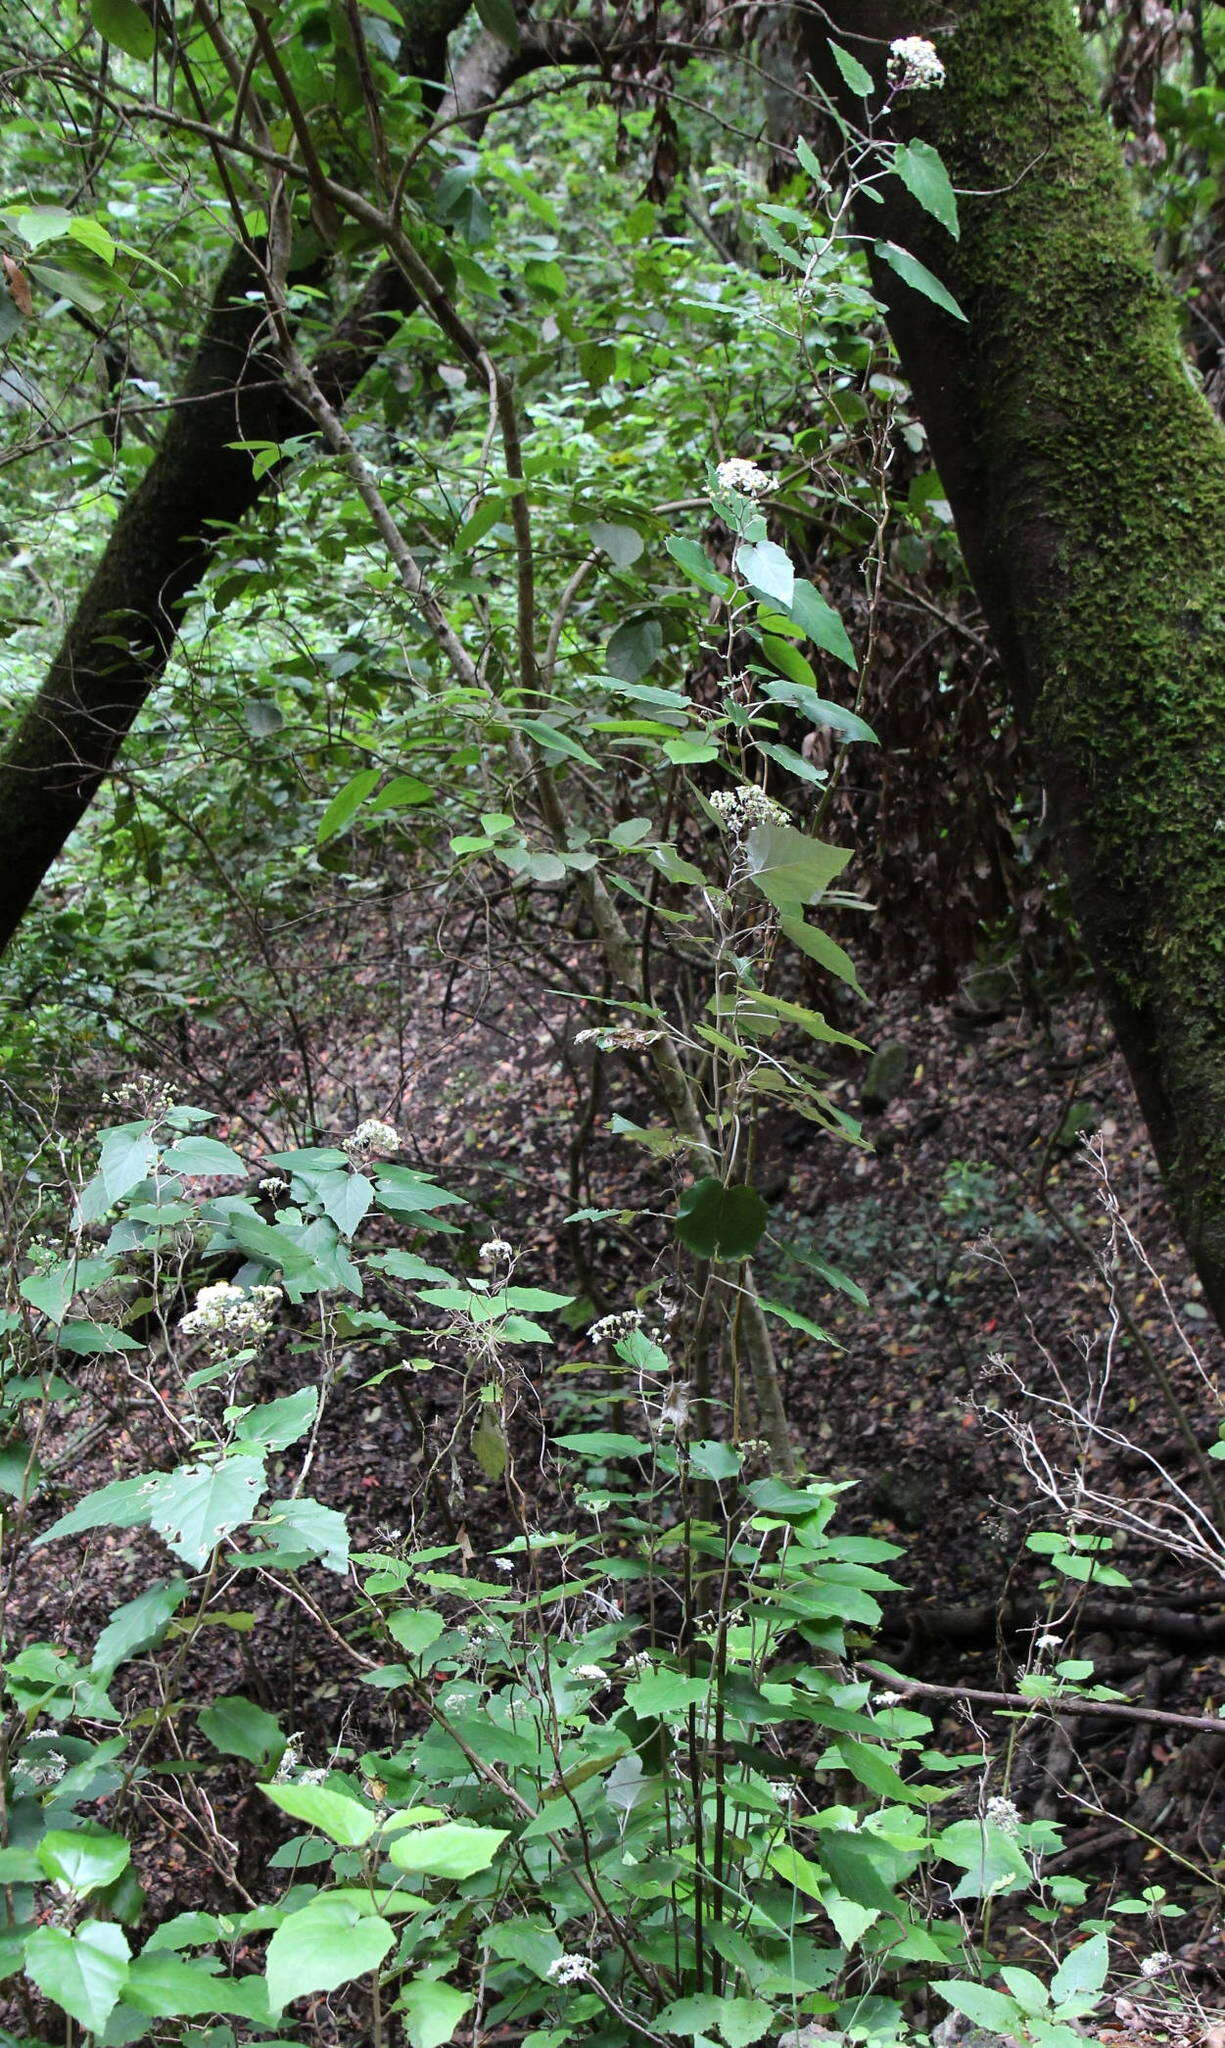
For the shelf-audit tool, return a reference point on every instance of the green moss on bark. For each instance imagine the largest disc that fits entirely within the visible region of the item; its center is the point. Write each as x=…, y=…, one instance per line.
x=1088, y=476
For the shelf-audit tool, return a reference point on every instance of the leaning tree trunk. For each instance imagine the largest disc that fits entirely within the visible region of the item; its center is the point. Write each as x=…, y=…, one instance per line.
x=1087, y=475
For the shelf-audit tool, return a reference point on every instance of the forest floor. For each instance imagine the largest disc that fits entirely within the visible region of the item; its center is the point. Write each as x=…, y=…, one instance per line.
x=976, y=1227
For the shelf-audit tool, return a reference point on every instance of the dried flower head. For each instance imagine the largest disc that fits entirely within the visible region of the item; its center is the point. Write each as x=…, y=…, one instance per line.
x=1002, y=1814
x=610, y=1328
x=674, y=1408
x=738, y=810
x=372, y=1139
x=1156, y=1965
x=617, y=1037
x=745, y=477
x=914, y=65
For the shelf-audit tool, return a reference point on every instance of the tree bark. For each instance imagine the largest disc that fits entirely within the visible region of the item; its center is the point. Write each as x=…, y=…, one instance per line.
x=1086, y=472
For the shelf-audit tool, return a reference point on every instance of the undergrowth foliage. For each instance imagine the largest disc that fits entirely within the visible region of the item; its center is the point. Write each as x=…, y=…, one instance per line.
x=639, y=1791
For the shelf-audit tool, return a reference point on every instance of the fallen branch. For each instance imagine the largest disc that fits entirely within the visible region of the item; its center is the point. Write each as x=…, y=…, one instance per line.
x=1062, y=1703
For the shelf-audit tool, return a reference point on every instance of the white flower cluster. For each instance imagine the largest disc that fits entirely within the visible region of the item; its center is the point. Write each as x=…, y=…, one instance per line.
x=738, y=810
x=887, y=1699
x=274, y=1184
x=291, y=1757
x=224, y=1313
x=1156, y=1965
x=592, y=1674
x=617, y=1037
x=1048, y=1642
x=745, y=477
x=639, y=1661
x=610, y=1328
x=570, y=1969
x=914, y=65
x=372, y=1139
x=495, y=1252
x=1002, y=1814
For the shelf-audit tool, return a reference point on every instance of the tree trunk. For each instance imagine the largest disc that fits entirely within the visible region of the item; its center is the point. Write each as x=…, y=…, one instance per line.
x=1087, y=475
x=123, y=630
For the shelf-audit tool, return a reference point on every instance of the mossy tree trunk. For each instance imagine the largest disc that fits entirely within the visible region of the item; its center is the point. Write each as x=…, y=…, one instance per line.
x=1087, y=475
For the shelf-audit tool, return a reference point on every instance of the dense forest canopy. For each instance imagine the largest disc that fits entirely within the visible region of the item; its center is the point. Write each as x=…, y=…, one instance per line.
x=669, y=546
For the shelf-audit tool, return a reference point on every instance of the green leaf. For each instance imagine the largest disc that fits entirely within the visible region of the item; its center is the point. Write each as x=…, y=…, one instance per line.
x=415, y=1629
x=277, y=1424
x=203, y=1155
x=123, y=1504
x=555, y=741
x=873, y=1769
x=498, y=16
x=919, y=167
x=768, y=570
x=717, y=1222
x=622, y=544
x=343, y=1820
x=345, y=805
x=918, y=277
x=820, y=947
x=83, y=1972
x=789, y=868
x=1082, y=1971
x=985, y=2007
x=127, y=1156
x=306, y=1524
x=993, y=1862
x=820, y=711
x=138, y=1625
x=666, y=1695
x=742, y=2020
x=237, y=1727
x=820, y=623
x=453, y=1850
x=166, y=1987
x=796, y=1870
x=685, y=753
x=198, y=1504
x=92, y=1340
x=432, y=2011
x=126, y=25
x=692, y=2016
x=489, y=1446
x=402, y=793
x=83, y=1858
x=325, y=1945
x=854, y=1864
x=634, y=647
x=696, y=563
x=854, y=76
